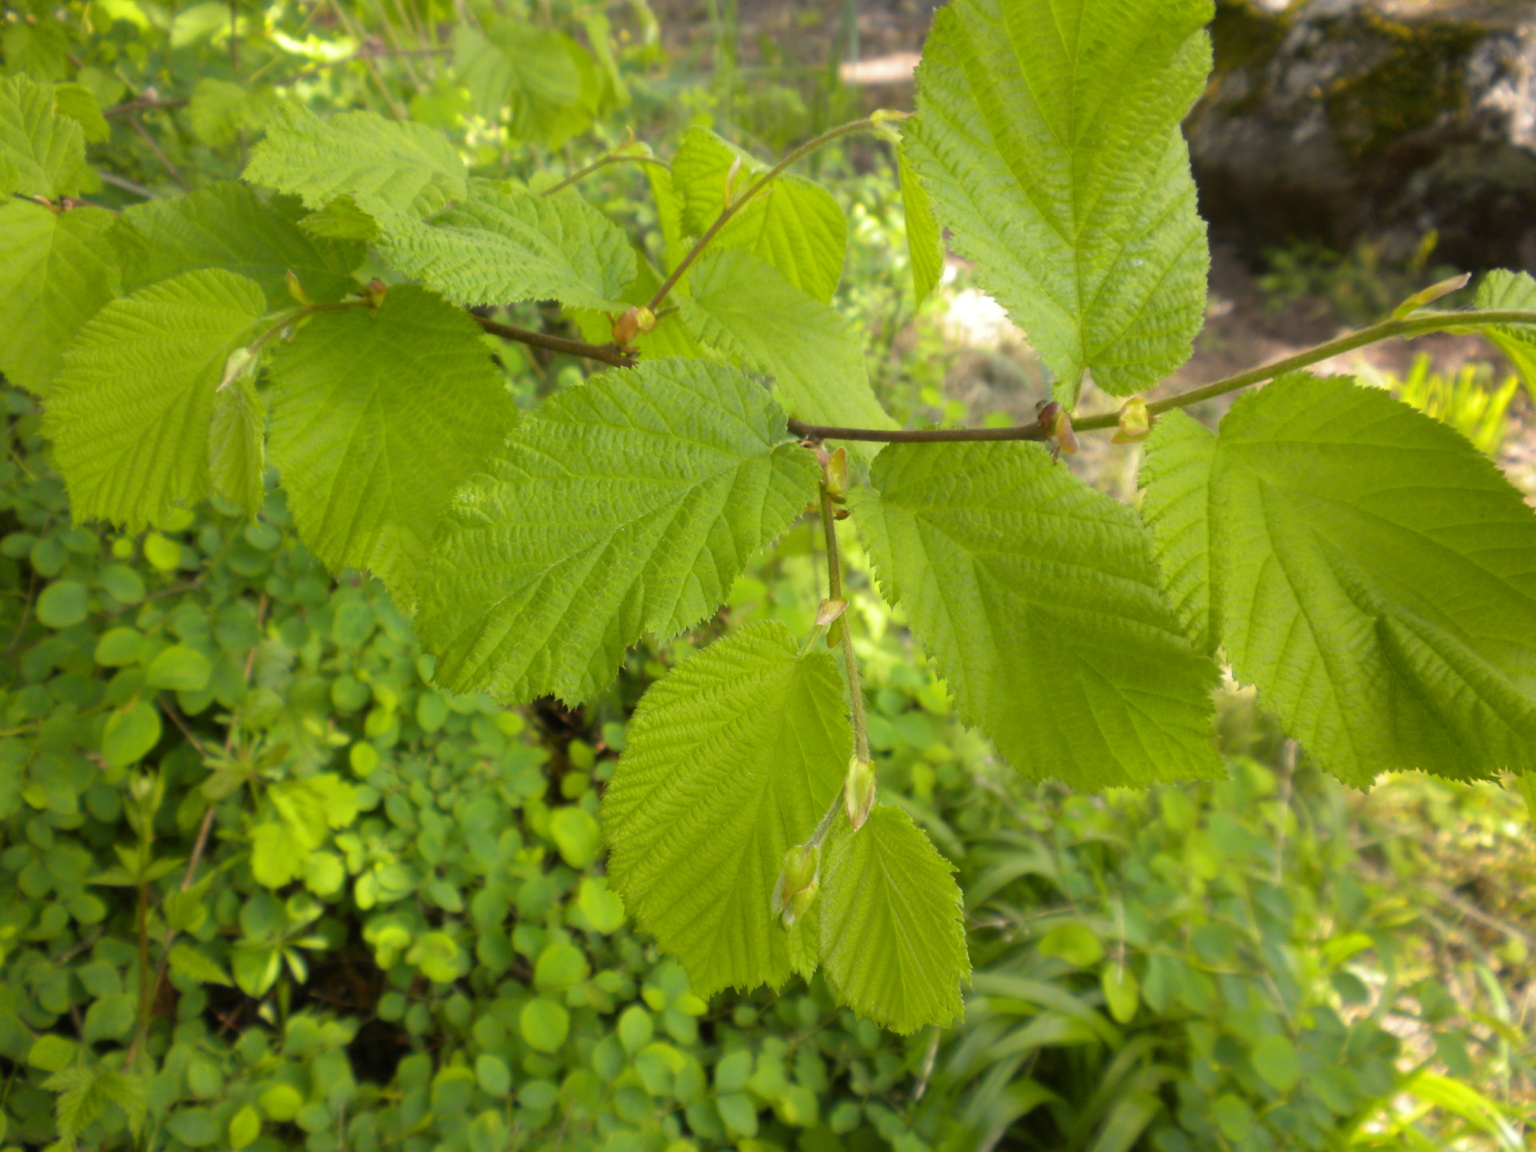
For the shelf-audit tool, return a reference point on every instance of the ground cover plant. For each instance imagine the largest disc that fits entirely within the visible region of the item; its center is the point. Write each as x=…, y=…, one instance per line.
x=331, y=313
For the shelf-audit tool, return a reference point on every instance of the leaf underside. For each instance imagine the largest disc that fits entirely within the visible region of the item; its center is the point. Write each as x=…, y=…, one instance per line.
x=1176, y=507
x=56, y=270
x=1373, y=576
x=892, y=936
x=1036, y=596
x=376, y=418
x=730, y=760
x=228, y=226
x=623, y=506
x=130, y=410
x=1047, y=133
x=746, y=310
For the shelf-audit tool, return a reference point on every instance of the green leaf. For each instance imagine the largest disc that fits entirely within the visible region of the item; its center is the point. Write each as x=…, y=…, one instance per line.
x=237, y=445
x=1371, y=575
x=745, y=309
x=377, y=416
x=56, y=270
x=604, y=910
x=244, y=1128
x=226, y=225
x=1047, y=133
x=1276, y=1060
x=189, y=962
x=436, y=955
x=63, y=603
x=396, y=171
x=130, y=410
x=502, y=247
x=130, y=733
x=542, y=78
x=560, y=966
x=1122, y=991
x=794, y=224
x=730, y=761
x=1176, y=508
x=576, y=835
x=1072, y=943
x=278, y=858
x=42, y=153
x=624, y=506
x=892, y=934
x=220, y=110
x=178, y=669
x=79, y=103
x=1038, y=600
x=1512, y=292
x=110, y=1018
x=544, y=1024
x=925, y=242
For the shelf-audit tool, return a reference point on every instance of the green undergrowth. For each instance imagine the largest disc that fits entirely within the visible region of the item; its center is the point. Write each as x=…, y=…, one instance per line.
x=397, y=931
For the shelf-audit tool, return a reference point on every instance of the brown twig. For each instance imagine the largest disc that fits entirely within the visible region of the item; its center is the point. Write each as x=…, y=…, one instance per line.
x=165, y=161
x=605, y=353
x=144, y=105
x=915, y=435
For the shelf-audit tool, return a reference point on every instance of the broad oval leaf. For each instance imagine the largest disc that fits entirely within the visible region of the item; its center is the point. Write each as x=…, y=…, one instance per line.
x=1372, y=575
x=1047, y=132
x=1038, y=599
x=226, y=225
x=131, y=408
x=502, y=247
x=377, y=416
x=746, y=310
x=56, y=270
x=892, y=934
x=623, y=506
x=925, y=242
x=730, y=761
x=1514, y=292
x=398, y=172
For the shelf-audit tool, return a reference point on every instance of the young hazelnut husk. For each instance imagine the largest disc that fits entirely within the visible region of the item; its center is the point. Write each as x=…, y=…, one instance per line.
x=797, y=885
x=1135, y=422
x=859, y=791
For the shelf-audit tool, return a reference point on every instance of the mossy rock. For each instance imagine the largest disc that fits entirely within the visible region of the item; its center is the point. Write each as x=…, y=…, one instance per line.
x=1338, y=120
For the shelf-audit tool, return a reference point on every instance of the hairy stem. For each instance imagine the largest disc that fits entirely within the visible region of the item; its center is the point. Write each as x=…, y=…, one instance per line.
x=1406, y=328
x=605, y=353
x=617, y=156
x=835, y=591
x=866, y=125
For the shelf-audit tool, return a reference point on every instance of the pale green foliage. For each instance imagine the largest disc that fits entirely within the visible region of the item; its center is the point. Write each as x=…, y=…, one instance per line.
x=925, y=244
x=78, y=103
x=42, y=153
x=624, y=506
x=743, y=308
x=237, y=445
x=396, y=172
x=220, y=110
x=1036, y=596
x=86, y=1092
x=130, y=410
x=543, y=80
x=376, y=418
x=501, y=247
x=56, y=270
x=794, y=224
x=1048, y=133
x=226, y=225
x=1176, y=506
x=1371, y=574
x=1512, y=291
x=730, y=761
x=891, y=931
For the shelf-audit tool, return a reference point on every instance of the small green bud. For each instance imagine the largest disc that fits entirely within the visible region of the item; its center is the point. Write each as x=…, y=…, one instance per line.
x=295, y=289
x=859, y=791
x=834, y=470
x=1135, y=422
x=798, y=883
